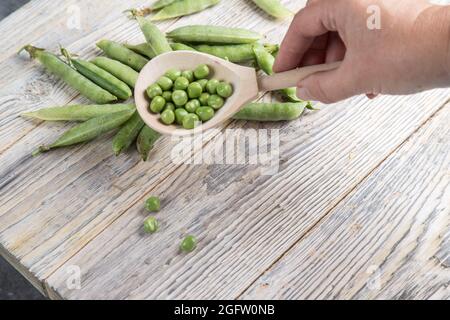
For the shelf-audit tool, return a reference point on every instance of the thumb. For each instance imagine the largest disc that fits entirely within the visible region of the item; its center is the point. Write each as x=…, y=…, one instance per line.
x=328, y=86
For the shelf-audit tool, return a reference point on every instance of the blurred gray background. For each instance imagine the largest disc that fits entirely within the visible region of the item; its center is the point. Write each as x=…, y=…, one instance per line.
x=12, y=285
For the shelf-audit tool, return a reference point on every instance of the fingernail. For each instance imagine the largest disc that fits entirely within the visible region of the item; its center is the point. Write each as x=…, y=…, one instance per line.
x=303, y=93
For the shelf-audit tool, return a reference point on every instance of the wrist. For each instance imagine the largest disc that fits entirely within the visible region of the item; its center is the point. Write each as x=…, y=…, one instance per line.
x=444, y=20
x=439, y=34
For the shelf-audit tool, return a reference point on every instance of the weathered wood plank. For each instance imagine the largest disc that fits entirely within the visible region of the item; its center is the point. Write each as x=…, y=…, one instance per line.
x=386, y=240
x=244, y=220
x=32, y=89
x=44, y=232
x=47, y=25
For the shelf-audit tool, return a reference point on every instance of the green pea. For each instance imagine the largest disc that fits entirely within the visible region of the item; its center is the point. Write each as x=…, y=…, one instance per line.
x=179, y=98
x=205, y=113
x=173, y=74
x=153, y=204
x=151, y=225
x=170, y=106
x=168, y=117
x=188, y=244
x=190, y=121
x=211, y=86
x=180, y=113
x=202, y=72
x=188, y=74
x=165, y=83
x=204, y=99
x=225, y=90
x=181, y=83
x=203, y=83
x=192, y=106
x=194, y=90
x=154, y=90
x=157, y=105
x=167, y=95
x=216, y=102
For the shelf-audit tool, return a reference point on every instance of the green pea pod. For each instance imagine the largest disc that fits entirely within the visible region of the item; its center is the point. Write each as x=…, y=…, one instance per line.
x=274, y=8
x=121, y=53
x=176, y=46
x=127, y=134
x=161, y=4
x=158, y=5
x=99, y=76
x=117, y=69
x=70, y=76
x=213, y=35
x=234, y=53
x=77, y=112
x=146, y=140
x=143, y=49
x=88, y=130
x=266, y=61
x=269, y=112
x=155, y=38
x=183, y=8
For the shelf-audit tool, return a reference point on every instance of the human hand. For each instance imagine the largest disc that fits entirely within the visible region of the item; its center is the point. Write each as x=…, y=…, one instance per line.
x=408, y=53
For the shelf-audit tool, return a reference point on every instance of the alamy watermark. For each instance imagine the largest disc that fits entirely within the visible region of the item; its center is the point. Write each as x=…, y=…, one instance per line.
x=374, y=19
x=73, y=281
x=259, y=147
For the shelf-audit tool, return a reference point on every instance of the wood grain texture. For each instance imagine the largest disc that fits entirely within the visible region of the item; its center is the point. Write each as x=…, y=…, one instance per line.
x=82, y=206
x=88, y=177
x=244, y=220
x=387, y=240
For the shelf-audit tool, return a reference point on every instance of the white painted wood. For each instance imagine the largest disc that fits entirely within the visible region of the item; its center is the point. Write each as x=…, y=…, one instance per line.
x=67, y=174
x=83, y=206
x=244, y=220
x=387, y=240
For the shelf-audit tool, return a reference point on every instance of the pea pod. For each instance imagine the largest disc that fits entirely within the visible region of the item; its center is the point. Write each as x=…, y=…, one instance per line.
x=121, y=53
x=127, y=134
x=235, y=52
x=176, y=46
x=88, y=130
x=158, y=5
x=155, y=38
x=161, y=4
x=146, y=140
x=183, y=8
x=117, y=69
x=266, y=61
x=143, y=49
x=263, y=112
x=274, y=8
x=70, y=76
x=99, y=76
x=77, y=112
x=213, y=34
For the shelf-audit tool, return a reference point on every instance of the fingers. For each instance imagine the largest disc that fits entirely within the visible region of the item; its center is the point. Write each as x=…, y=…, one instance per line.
x=330, y=86
x=308, y=24
x=336, y=48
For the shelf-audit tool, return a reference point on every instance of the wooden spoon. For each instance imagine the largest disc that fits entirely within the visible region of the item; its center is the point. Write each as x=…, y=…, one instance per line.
x=246, y=84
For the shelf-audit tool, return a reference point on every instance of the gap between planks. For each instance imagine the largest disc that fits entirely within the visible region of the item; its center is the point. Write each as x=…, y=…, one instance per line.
x=344, y=197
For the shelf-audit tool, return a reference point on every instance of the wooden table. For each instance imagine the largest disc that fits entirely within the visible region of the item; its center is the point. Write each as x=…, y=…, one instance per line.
x=359, y=207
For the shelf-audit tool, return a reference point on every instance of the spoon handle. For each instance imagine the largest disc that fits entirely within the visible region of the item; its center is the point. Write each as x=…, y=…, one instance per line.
x=291, y=78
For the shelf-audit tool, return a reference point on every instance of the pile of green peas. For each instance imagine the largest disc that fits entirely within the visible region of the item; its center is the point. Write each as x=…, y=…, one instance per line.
x=188, y=98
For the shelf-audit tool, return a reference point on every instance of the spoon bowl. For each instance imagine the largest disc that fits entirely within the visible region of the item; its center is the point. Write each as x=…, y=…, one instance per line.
x=243, y=80
x=246, y=85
